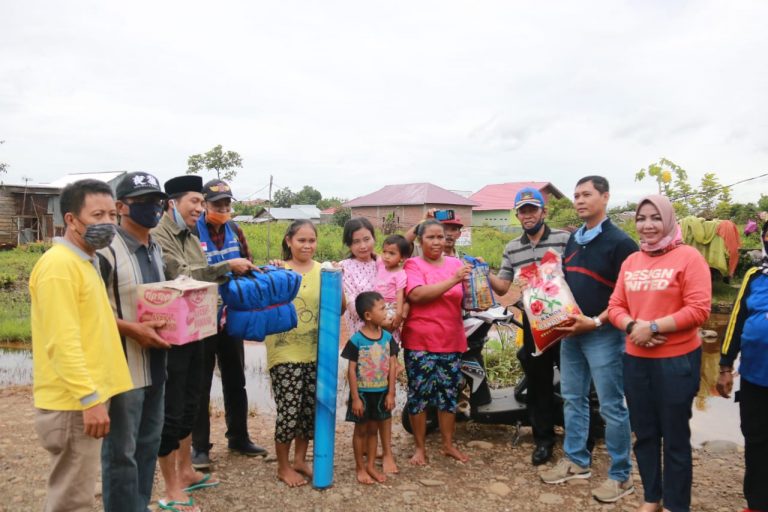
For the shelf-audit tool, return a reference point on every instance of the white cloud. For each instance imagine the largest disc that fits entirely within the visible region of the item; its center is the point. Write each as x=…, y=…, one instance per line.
x=349, y=96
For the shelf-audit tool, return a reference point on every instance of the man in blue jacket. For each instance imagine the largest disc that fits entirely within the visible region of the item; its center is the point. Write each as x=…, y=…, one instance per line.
x=222, y=240
x=594, y=348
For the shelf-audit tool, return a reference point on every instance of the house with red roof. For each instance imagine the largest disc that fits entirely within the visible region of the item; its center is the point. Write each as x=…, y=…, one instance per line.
x=406, y=204
x=496, y=203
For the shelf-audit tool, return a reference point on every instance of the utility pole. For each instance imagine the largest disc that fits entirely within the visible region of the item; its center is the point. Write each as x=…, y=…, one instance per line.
x=269, y=221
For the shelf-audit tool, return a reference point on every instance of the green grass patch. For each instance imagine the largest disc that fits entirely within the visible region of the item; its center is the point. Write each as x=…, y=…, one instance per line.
x=15, y=267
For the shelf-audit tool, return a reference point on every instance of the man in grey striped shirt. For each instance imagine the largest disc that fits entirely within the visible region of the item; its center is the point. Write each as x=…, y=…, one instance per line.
x=535, y=241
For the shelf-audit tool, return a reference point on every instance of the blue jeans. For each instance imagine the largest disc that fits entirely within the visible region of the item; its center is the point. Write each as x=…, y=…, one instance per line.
x=660, y=393
x=595, y=356
x=129, y=452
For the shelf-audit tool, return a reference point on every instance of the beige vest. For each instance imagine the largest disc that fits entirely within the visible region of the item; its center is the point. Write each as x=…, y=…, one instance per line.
x=121, y=284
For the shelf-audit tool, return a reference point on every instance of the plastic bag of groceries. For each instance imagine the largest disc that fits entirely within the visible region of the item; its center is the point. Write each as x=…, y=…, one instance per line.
x=547, y=299
x=478, y=294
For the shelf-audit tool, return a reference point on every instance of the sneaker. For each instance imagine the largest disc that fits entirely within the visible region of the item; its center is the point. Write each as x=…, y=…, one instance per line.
x=200, y=460
x=613, y=490
x=563, y=471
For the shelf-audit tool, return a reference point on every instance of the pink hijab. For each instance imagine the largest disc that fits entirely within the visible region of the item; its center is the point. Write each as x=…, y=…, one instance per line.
x=672, y=236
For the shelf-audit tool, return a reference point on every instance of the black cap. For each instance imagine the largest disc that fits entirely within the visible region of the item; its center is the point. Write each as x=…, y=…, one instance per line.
x=181, y=184
x=216, y=189
x=138, y=184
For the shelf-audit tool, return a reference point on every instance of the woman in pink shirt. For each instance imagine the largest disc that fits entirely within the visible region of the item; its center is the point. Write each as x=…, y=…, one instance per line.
x=433, y=338
x=662, y=297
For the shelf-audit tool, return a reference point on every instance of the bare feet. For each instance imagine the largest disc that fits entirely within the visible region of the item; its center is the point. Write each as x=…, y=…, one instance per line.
x=649, y=507
x=363, y=477
x=290, y=477
x=388, y=465
x=452, y=451
x=301, y=466
x=419, y=458
x=379, y=477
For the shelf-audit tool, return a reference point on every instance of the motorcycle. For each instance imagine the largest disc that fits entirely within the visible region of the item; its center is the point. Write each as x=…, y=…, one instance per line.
x=500, y=406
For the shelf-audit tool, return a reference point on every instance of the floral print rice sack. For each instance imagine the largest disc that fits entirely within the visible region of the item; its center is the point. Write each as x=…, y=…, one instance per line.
x=547, y=299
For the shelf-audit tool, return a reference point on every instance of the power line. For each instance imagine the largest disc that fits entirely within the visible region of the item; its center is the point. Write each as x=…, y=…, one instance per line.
x=692, y=194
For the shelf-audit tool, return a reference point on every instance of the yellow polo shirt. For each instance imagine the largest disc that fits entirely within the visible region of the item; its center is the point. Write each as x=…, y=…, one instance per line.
x=77, y=354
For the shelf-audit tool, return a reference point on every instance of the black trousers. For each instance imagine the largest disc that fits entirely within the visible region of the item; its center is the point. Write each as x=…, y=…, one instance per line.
x=539, y=371
x=182, y=394
x=753, y=404
x=229, y=353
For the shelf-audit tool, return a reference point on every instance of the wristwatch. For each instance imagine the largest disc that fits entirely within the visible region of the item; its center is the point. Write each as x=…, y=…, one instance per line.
x=629, y=327
x=597, y=321
x=654, y=327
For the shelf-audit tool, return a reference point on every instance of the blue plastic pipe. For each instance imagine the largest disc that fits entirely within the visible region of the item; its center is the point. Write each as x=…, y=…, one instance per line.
x=327, y=377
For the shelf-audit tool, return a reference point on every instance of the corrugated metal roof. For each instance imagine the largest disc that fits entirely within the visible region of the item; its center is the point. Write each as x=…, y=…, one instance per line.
x=310, y=209
x=410, y=194
x=285, y=214
x=501, y=196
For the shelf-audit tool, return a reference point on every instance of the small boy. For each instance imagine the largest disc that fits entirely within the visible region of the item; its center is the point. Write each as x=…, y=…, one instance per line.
x=372, y=356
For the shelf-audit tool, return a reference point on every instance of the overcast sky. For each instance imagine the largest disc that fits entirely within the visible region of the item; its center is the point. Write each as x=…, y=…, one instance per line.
x=349, y=96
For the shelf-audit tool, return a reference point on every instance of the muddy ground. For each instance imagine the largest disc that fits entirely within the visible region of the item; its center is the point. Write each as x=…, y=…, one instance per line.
x=498, y=476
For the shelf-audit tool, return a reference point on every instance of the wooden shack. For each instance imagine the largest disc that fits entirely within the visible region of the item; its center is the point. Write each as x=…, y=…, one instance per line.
x=27, y=214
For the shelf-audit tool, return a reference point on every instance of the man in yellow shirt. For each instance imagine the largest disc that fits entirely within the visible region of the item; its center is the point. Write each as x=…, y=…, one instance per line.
x=78, y=359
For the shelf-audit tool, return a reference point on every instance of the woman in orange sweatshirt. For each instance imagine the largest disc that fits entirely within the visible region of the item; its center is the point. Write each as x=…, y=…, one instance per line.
x=662, y=297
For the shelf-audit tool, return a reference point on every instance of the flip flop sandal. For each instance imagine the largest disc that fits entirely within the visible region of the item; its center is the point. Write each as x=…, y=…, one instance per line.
x=172, y=505
x=203, y=483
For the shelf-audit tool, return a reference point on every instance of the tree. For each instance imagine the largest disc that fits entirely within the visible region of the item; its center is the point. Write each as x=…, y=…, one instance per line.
x=331, y=202
x=284, y=198
x=307, y=195
x=223, y=163
x=561, y=213
x=3, y=166
x=672, y=181
x=341, y=216
x=762, y=203
x=240, y=208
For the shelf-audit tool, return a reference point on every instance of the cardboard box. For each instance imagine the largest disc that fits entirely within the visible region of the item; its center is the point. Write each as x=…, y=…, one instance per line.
x=187, y=306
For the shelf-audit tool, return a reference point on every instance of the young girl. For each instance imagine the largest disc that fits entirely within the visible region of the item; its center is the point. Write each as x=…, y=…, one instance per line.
x=391, y=281
x=360, y=271
x=292, y=358
x=372, y=355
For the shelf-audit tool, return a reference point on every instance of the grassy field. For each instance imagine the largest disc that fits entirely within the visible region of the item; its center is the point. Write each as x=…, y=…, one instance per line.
x=265, y=243
x=15, y=267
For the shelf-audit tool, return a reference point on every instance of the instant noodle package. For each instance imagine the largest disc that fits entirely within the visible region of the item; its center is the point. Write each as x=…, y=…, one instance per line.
x=547, y=300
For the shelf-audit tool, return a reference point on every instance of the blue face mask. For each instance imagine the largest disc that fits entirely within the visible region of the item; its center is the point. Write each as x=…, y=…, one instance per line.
x=145, y=214
x=177, y=218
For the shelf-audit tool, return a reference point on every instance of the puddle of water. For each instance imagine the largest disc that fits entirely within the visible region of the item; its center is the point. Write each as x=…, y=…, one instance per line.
x=719, y=421
x=15, y=367
x=259, y=386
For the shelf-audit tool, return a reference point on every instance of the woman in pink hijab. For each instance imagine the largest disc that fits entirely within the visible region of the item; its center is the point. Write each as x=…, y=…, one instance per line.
x=662, y=297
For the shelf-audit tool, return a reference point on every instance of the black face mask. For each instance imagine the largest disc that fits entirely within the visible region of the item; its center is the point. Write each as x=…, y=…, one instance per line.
x=535, y=229
x=98, y=236
x=145, y=214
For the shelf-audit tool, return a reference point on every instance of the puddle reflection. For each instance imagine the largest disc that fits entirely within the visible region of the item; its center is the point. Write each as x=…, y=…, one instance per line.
x=259, y=386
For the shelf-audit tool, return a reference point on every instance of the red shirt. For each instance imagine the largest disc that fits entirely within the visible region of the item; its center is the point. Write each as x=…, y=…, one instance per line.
x=676, y=283
x=435, y=326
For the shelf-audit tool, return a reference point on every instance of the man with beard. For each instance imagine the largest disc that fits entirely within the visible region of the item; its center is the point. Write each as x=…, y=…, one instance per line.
x=535, y=241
